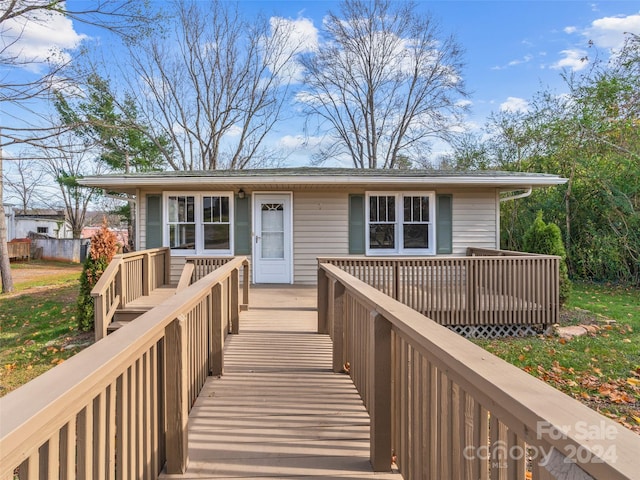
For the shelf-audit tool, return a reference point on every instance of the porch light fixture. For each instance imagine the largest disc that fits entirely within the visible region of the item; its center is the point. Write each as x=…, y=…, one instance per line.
x=240, y=193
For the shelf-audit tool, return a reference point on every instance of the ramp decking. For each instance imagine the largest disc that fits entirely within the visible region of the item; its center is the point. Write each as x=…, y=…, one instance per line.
x=279, y=411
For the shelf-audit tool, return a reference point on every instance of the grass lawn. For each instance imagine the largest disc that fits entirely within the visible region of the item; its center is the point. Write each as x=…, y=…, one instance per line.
x=37, y=322
x=602, y=368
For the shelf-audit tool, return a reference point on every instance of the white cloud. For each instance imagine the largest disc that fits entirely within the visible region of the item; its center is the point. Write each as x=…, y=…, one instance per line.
x=608, y=32
x=514, y=104
x=298, y=142
x=37, y=38
x=570, y=30
x=518, y=61
x=575, y=59
x=294, y=37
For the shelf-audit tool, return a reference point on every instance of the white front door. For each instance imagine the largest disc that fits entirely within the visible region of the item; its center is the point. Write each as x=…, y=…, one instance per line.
x=272, y=239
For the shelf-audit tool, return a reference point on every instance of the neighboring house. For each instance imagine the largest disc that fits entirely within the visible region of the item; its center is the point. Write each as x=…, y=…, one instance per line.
x=43, y=222
x=286, y=218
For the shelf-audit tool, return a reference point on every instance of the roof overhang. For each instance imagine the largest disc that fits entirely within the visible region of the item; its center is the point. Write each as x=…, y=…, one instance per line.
x=323, y=178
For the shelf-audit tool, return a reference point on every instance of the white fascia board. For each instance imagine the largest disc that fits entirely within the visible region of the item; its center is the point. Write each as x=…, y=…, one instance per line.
x=174, y=182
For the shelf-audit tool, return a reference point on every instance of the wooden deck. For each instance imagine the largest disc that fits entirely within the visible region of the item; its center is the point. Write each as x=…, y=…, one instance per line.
x=279, y=411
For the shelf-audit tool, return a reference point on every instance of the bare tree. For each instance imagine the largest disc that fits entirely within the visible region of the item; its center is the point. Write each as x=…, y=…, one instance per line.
x=5, y=266
x=25, y=180
x=216, y=86
x=29, y=78
x=66, y=160
x=385, y=82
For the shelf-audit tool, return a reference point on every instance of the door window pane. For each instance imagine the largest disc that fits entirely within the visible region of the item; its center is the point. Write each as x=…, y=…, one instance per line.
x=272, y=224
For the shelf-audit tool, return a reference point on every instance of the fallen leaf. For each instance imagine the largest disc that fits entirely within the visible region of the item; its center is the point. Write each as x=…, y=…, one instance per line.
x=633, y=381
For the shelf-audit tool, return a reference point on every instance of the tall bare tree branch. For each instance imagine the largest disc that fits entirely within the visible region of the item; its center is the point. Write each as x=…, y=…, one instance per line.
x=385, y=82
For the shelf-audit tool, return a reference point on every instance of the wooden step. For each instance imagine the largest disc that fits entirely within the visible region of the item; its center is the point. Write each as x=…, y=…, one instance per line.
x=128, y=314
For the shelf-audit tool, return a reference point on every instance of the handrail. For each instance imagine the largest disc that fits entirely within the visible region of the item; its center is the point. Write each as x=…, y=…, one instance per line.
x=127, y=277
x=458, y=411
x=103, y=412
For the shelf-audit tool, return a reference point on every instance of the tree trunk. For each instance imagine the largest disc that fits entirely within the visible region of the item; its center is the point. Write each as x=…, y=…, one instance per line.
x=5, y=266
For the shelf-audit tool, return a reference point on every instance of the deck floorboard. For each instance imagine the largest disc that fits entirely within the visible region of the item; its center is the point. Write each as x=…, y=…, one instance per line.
x=278, y=411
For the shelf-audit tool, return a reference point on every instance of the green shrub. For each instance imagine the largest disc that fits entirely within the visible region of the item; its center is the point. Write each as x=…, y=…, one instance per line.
x=103, y=248
x=546, y=239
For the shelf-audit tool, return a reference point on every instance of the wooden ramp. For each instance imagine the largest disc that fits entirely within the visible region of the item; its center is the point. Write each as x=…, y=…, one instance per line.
x=279, y=411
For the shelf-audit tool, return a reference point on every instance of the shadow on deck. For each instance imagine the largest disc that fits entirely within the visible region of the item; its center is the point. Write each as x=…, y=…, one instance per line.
x=278, y=410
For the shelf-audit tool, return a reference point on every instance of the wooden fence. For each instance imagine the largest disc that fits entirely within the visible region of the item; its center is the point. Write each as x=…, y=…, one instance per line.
x=119, y=408
x=487, y=287
x=444, y=408
x=19, y=250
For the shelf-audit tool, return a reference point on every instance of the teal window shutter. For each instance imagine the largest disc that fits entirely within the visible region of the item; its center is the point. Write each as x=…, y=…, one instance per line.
x=154, y=221
x=242, y=231
x=444, y=224
x=357, y=225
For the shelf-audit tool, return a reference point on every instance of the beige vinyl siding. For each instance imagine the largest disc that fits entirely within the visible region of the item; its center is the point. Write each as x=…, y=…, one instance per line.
x=141, y=211
x=320, y=228
x=474, y=219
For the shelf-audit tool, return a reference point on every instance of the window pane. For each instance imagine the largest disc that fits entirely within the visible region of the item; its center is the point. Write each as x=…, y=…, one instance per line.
x=391, y=209
x=207, y=210
x=373, y=209
x=382, y=236
x=416, y=235
x=173, y=209
x=216, y=236
x=191, y=209
x=182, y=236
x=223, y=209
x=425, y=209
x=407, y=209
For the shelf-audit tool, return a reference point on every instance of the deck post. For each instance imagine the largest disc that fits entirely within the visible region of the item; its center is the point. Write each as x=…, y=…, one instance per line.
x=234, y=306
x=216, y=331
x=99, y=324
x=176, y=392
x=147, y=272
x=167, y=266
x=121, y=286
x=245, y=286
x=338, y=326
x=380, y=406
x=323, y=292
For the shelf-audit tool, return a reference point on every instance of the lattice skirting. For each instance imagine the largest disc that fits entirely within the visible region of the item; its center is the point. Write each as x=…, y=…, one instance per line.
x=497, y=331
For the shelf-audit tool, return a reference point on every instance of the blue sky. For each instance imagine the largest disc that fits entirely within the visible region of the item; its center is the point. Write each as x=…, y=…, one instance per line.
x=513, y=48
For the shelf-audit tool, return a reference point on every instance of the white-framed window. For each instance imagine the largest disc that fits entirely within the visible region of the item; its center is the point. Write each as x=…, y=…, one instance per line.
x=199, y=222
x=400, y=223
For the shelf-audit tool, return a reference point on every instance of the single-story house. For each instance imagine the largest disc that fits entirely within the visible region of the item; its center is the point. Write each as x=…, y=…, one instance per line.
x=284, y=219
x=43, y=222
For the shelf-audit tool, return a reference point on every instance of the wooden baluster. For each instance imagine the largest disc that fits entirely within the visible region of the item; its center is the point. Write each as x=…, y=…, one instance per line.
x=380, y=402
x=177, y=403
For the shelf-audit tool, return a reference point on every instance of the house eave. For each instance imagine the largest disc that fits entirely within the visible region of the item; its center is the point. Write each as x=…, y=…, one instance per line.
x=129, y=183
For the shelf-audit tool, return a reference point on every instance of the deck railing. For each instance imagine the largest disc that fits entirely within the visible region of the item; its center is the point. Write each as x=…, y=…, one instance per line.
x=119, y=408
x=444, y=408
x=128, y=277
x=487, y=287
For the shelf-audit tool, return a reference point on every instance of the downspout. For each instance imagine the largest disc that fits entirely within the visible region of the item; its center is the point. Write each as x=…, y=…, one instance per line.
x=524, y=194
x=134, y=212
